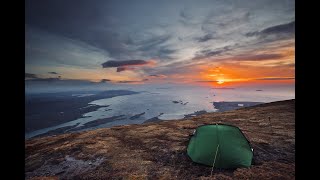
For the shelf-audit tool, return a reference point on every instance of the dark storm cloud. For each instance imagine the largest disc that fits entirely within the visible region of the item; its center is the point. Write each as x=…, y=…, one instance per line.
x=276, y=78
x=109, y=64
x=29, y=75
x=280, y=30
x=53, y=73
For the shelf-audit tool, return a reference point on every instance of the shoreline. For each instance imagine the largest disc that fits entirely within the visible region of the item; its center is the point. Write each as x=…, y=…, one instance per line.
x=59, y=108
x=157, y=150
x=94, y=124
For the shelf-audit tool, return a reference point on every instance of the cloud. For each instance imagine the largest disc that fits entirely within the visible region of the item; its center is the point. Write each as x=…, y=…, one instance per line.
x=104, y=80
x=226, y=23
x=208, y=81
x=157, y=76
x=282, y=30
x=156, y=47
x=208, y=53
x=127, y=64
x=29, y=75
x=124, y=68
x=131, y=82
x=183, y=14
x=53, y=73
x=205, y=38
x=45, y=79
x=92, y=32
x=276, y=78
x=52, y=50
x=109, y=64
x=258, y=57
x=34, y=77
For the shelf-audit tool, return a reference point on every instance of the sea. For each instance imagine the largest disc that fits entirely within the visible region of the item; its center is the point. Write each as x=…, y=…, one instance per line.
x=164, y=101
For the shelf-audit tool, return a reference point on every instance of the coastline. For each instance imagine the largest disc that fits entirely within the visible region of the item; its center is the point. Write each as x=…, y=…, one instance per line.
x=223, y=106
x=158, y=149
x=59, y=108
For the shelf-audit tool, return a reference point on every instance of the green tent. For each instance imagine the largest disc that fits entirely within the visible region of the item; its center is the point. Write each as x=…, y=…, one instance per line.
x=220, y=146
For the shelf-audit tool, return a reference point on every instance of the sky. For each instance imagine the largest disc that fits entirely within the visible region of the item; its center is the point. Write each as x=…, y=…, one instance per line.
x=150, y=41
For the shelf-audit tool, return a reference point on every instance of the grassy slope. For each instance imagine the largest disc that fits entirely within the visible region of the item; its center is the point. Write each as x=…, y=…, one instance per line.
x=158, y=150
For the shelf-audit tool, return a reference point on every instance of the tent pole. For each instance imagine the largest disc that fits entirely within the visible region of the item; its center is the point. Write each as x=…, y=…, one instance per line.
x=214, y=160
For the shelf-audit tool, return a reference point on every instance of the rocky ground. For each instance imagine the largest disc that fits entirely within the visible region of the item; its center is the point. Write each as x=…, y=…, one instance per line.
x=157, y=150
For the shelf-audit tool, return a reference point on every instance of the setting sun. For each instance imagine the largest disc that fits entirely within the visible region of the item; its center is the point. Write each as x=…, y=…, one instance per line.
x=220, y=81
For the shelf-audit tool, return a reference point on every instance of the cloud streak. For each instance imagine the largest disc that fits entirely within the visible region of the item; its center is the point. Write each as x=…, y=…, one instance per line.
x=127, y=64
x=205, y=38
x=258, y=57
x=113, y=63
x=157, y=76
x=105, y=80
x=208, y=81
x=275, y=78
x=29, y=75
x=282, y=30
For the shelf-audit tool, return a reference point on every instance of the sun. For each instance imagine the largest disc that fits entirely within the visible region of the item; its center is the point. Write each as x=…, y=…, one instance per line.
x=220, y=81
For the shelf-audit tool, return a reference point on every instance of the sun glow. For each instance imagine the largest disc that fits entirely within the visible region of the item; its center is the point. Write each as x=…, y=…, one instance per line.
x=220, y=81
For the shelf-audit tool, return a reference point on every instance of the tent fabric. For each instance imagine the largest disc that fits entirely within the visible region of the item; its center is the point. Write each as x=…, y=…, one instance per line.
x=221, y=144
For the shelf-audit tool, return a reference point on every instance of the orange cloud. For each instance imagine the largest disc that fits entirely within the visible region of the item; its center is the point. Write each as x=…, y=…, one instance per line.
x=279, y=67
